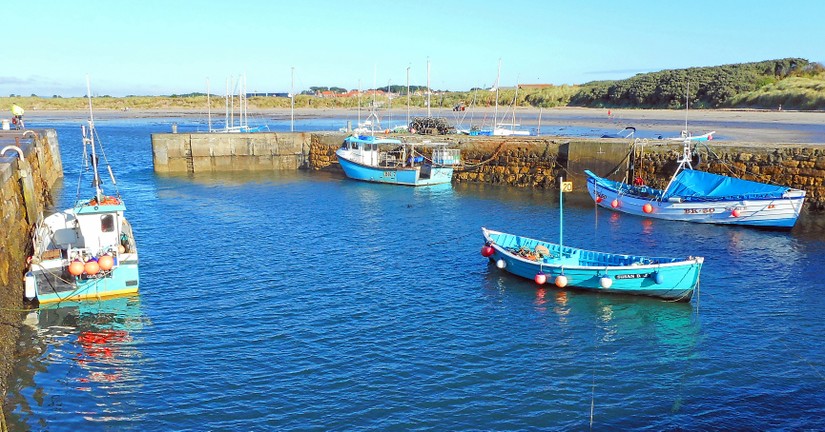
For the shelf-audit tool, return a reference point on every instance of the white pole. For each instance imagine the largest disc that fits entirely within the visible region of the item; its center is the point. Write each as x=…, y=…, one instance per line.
x=208, y=106
x=561, y=214
x=292, y=108
x=428, y=87
x=408, y=96
x=495, y=115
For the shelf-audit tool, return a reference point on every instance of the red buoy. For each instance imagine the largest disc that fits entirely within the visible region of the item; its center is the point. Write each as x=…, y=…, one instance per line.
x=106, y=262
x=76, y=268
x=735, y=212
x=599, y=199
x=540, y=278
x=614, y=203
x=91, y=267
x=487, y=251
x=561, y=281
x=647, y=208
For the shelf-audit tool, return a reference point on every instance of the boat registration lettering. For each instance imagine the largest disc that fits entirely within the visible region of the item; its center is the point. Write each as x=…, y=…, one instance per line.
x=632, y=276
x=389, y=174
x=700, y=210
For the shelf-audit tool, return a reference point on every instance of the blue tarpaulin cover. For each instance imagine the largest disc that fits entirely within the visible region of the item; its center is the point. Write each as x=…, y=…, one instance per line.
x=693, y=185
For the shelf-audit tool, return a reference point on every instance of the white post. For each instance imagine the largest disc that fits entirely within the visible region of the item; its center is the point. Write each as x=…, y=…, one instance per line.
x=292, y=103
x=428, y=87
x=408, y=96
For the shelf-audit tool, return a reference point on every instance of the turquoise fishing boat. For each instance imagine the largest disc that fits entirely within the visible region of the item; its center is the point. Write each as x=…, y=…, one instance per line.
x=389, y=160
x=674, y=279
x=87, y=251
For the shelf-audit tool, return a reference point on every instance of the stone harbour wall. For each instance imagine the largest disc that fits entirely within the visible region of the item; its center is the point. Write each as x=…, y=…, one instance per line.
x=25, y=190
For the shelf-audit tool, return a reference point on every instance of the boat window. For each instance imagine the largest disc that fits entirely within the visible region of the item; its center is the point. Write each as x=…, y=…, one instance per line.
x=107, y=223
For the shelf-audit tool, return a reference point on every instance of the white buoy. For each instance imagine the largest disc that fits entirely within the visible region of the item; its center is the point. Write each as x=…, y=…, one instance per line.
x=501, y=264
x=30, y=291
x=606, y=281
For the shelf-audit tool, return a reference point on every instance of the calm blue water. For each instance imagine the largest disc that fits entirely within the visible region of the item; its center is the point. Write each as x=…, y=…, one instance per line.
x=310, y=302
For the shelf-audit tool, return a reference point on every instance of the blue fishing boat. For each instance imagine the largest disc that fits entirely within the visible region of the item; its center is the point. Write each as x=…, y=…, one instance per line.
x=699, y=196
x=87, y=251
x=673, y=279
x=545, y=262
x=389, y=160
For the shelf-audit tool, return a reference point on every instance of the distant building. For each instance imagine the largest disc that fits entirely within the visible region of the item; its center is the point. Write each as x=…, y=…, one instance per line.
x=278, y=94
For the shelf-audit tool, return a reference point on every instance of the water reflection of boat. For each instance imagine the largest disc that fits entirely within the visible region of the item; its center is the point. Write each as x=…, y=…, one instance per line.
x=99, y=334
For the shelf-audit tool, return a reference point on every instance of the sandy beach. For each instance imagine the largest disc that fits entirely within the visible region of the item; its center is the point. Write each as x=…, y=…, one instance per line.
x=741, y=126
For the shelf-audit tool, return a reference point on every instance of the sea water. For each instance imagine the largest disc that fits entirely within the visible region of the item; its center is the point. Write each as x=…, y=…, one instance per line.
x=307, y=301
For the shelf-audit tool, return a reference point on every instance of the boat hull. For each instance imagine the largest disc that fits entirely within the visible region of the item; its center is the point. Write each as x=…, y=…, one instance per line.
x=407, y=176
x=52, y=282
x=663, y=277
x=769, y=213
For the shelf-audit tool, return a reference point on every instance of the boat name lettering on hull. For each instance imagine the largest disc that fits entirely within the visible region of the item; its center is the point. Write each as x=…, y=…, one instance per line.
x=701, y=210
x=632, y=276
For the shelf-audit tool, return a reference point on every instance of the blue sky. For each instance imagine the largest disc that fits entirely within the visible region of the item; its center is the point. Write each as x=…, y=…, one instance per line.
x=153, y=47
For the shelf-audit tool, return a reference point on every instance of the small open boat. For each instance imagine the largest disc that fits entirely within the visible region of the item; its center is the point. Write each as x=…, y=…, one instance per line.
x=87, y=251
x=668, y=278
x=388, y=160
x=699, y=196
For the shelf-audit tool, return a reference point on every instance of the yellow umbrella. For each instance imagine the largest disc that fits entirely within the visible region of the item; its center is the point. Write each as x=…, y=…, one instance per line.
x=16, y=110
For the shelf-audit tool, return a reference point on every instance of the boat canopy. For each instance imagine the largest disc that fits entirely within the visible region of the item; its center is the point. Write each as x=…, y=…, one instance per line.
x=693, y=185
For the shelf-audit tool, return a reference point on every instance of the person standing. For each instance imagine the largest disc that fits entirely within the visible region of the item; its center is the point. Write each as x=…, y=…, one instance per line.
x=17, y=116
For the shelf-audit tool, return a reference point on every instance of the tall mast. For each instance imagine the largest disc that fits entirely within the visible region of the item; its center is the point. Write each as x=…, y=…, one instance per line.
x=292, y=103
x=495, y=115
x=428, y=87
x=208, y=106
x=91, y=141
x=408, y=96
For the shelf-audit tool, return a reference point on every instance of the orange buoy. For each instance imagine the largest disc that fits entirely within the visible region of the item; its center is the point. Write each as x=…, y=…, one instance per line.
x=91, y=267
x=647, y=208
x=614, y=203
x=540, y=278
x=561, y=281
x=76, y=268
x=106, y=262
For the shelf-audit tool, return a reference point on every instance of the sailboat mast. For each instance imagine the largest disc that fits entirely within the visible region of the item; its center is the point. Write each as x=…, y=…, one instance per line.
x=408, y=96
x=495, y=115
x=428, y=87
x=91, y=141
x=208, y=107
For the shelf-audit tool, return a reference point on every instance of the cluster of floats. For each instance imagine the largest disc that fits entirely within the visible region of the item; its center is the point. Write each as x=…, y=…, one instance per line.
x=87, y=251
x=690, y=196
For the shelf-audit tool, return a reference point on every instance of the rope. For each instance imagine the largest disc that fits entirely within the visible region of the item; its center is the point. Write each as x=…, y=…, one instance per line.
x=493, y=156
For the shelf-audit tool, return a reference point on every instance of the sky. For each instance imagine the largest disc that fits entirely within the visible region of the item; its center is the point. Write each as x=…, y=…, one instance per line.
x=162, y=47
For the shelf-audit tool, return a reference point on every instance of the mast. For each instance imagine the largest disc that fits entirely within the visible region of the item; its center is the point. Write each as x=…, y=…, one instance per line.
x=292, y=103
x=408, y=96
x=208, y=106
x=428, y=87
x=495, y=115
x=90, y=139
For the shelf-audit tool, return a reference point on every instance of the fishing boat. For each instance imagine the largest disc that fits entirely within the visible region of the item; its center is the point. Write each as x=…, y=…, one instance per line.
x=699, y=196
x=673, y=279
x=389, y=160
x=87, y=251
x=565, y=266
